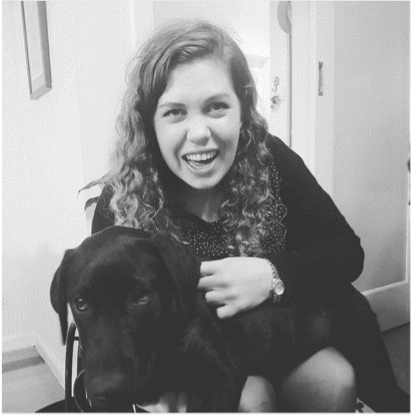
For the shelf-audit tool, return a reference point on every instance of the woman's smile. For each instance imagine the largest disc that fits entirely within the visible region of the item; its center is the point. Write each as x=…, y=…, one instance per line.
x=201, y=160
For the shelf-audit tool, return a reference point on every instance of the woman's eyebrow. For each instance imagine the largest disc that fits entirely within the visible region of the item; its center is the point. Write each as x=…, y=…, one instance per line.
x=170, y=104
x=219, y=96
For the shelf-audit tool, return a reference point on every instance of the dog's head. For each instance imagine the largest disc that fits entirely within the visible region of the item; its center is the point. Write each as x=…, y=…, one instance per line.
x=128, y=291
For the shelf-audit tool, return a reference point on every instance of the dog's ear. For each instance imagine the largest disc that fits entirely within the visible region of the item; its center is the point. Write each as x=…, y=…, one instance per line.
x=183, y=265
x=58, y=293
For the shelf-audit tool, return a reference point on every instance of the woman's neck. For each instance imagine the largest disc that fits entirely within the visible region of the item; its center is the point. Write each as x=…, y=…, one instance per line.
x=204, y=203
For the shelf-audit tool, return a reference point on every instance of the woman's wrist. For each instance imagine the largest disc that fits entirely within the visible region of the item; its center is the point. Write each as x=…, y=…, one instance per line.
x=277, y=287
x=269, y=272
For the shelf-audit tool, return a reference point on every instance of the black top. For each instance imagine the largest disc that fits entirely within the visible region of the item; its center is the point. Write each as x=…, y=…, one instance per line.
x=320, y=252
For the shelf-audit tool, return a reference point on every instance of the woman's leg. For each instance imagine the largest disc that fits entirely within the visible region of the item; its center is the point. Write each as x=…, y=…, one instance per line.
x=258, y=396
x=358, y=337
x=323, y=383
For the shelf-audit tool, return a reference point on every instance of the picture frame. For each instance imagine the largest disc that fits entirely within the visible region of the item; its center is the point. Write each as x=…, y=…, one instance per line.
x=36, y=40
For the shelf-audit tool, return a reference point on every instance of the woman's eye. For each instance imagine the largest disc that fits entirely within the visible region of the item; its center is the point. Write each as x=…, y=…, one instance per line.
x=177, y=112
x=80, y=304
x=217, y=107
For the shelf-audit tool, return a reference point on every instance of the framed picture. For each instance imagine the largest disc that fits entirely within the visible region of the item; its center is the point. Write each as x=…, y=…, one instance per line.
x=36, y=41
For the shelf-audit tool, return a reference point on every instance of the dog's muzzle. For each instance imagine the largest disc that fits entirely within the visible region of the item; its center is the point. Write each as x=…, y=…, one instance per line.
x=85, y=405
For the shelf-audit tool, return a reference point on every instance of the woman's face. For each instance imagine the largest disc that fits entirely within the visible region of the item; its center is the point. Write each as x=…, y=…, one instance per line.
x=197, y=122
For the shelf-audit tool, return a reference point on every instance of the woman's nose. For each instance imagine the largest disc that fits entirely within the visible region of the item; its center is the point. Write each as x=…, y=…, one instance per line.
x=197, y=131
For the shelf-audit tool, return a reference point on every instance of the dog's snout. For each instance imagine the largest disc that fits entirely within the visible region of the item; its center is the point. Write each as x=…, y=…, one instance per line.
x=109, y=386
x=113, y=391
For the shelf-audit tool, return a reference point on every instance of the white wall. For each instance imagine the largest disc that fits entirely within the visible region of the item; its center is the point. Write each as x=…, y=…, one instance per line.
x=51, y=148
x=371, y=124
x=42, y=171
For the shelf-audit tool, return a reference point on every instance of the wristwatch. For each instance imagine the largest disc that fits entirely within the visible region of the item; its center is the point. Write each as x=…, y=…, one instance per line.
x=277, y=288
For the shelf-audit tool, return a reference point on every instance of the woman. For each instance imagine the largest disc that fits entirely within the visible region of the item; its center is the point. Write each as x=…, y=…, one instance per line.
x=195, y=158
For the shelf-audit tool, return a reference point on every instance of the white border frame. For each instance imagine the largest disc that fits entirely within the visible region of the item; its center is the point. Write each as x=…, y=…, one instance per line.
x=36, y=40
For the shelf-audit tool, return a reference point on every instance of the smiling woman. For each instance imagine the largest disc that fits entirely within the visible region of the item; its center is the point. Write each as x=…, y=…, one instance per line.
x=191, y=100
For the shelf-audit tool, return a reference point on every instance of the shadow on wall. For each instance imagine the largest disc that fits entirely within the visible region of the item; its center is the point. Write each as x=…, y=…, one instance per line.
x=33, y=316
x=43, y=267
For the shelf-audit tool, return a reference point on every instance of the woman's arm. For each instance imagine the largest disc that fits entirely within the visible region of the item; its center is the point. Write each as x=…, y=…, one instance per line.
x=322, y=250
x=322, y=255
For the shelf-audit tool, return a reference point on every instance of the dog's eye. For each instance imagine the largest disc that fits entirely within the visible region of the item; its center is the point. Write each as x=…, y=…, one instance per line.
x=140, y=297
x=81, y=305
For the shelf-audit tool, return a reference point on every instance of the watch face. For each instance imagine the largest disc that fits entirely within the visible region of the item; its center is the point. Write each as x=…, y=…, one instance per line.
x=279, y=288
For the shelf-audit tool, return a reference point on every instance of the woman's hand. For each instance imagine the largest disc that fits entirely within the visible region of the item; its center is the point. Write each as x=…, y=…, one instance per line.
x=235, y=284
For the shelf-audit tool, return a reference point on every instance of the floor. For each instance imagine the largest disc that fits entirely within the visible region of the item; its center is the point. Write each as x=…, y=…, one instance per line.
x=398, y=344
x=29, y=385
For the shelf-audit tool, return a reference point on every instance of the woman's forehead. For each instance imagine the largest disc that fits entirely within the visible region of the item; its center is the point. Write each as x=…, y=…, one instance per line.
x=207, y=77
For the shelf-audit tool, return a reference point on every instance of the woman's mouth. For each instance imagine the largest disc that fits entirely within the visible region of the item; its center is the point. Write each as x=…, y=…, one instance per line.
x=200, y=160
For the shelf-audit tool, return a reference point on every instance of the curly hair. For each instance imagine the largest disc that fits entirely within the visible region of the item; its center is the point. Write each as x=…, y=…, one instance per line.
x=143, y=184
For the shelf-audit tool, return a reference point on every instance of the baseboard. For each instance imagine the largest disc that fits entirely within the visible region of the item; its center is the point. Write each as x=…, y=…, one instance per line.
x=391, y=304
x=18, y=342
x=56, y=365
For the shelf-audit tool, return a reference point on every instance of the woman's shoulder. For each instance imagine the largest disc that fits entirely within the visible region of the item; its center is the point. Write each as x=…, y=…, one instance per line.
x=282, y=154
x=284, y=159
x=103, y=215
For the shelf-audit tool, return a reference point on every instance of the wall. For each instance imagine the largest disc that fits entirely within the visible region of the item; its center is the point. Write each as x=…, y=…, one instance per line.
x=51, y=148
x=371, y=124
x=42, y=171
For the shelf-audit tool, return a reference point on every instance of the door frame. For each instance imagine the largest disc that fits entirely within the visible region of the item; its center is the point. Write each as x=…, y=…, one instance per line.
x=303, y=81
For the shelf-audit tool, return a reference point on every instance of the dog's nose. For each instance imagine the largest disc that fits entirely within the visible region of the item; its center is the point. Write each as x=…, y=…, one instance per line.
x=113, y=388
x=110, y=385
x=111, y=398
x=115, y=404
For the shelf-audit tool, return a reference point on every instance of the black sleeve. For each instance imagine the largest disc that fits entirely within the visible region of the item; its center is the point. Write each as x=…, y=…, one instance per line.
x=103, y=216
x=322, y=251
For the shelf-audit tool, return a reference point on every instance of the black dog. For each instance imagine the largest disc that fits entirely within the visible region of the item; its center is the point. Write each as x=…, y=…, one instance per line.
x=145, y=329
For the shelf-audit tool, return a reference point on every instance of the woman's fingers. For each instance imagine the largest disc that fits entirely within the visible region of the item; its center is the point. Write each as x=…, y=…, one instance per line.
x=214, y=297
x=226, y=311
x=210, y=282
x=208, y=268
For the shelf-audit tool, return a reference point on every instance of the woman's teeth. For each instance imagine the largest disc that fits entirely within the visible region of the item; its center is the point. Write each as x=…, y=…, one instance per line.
x=197, y=160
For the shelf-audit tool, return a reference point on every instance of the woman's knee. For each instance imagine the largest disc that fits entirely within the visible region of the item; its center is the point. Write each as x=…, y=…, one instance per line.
x=325, y=382
x=258, y=396
x=339, y=371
